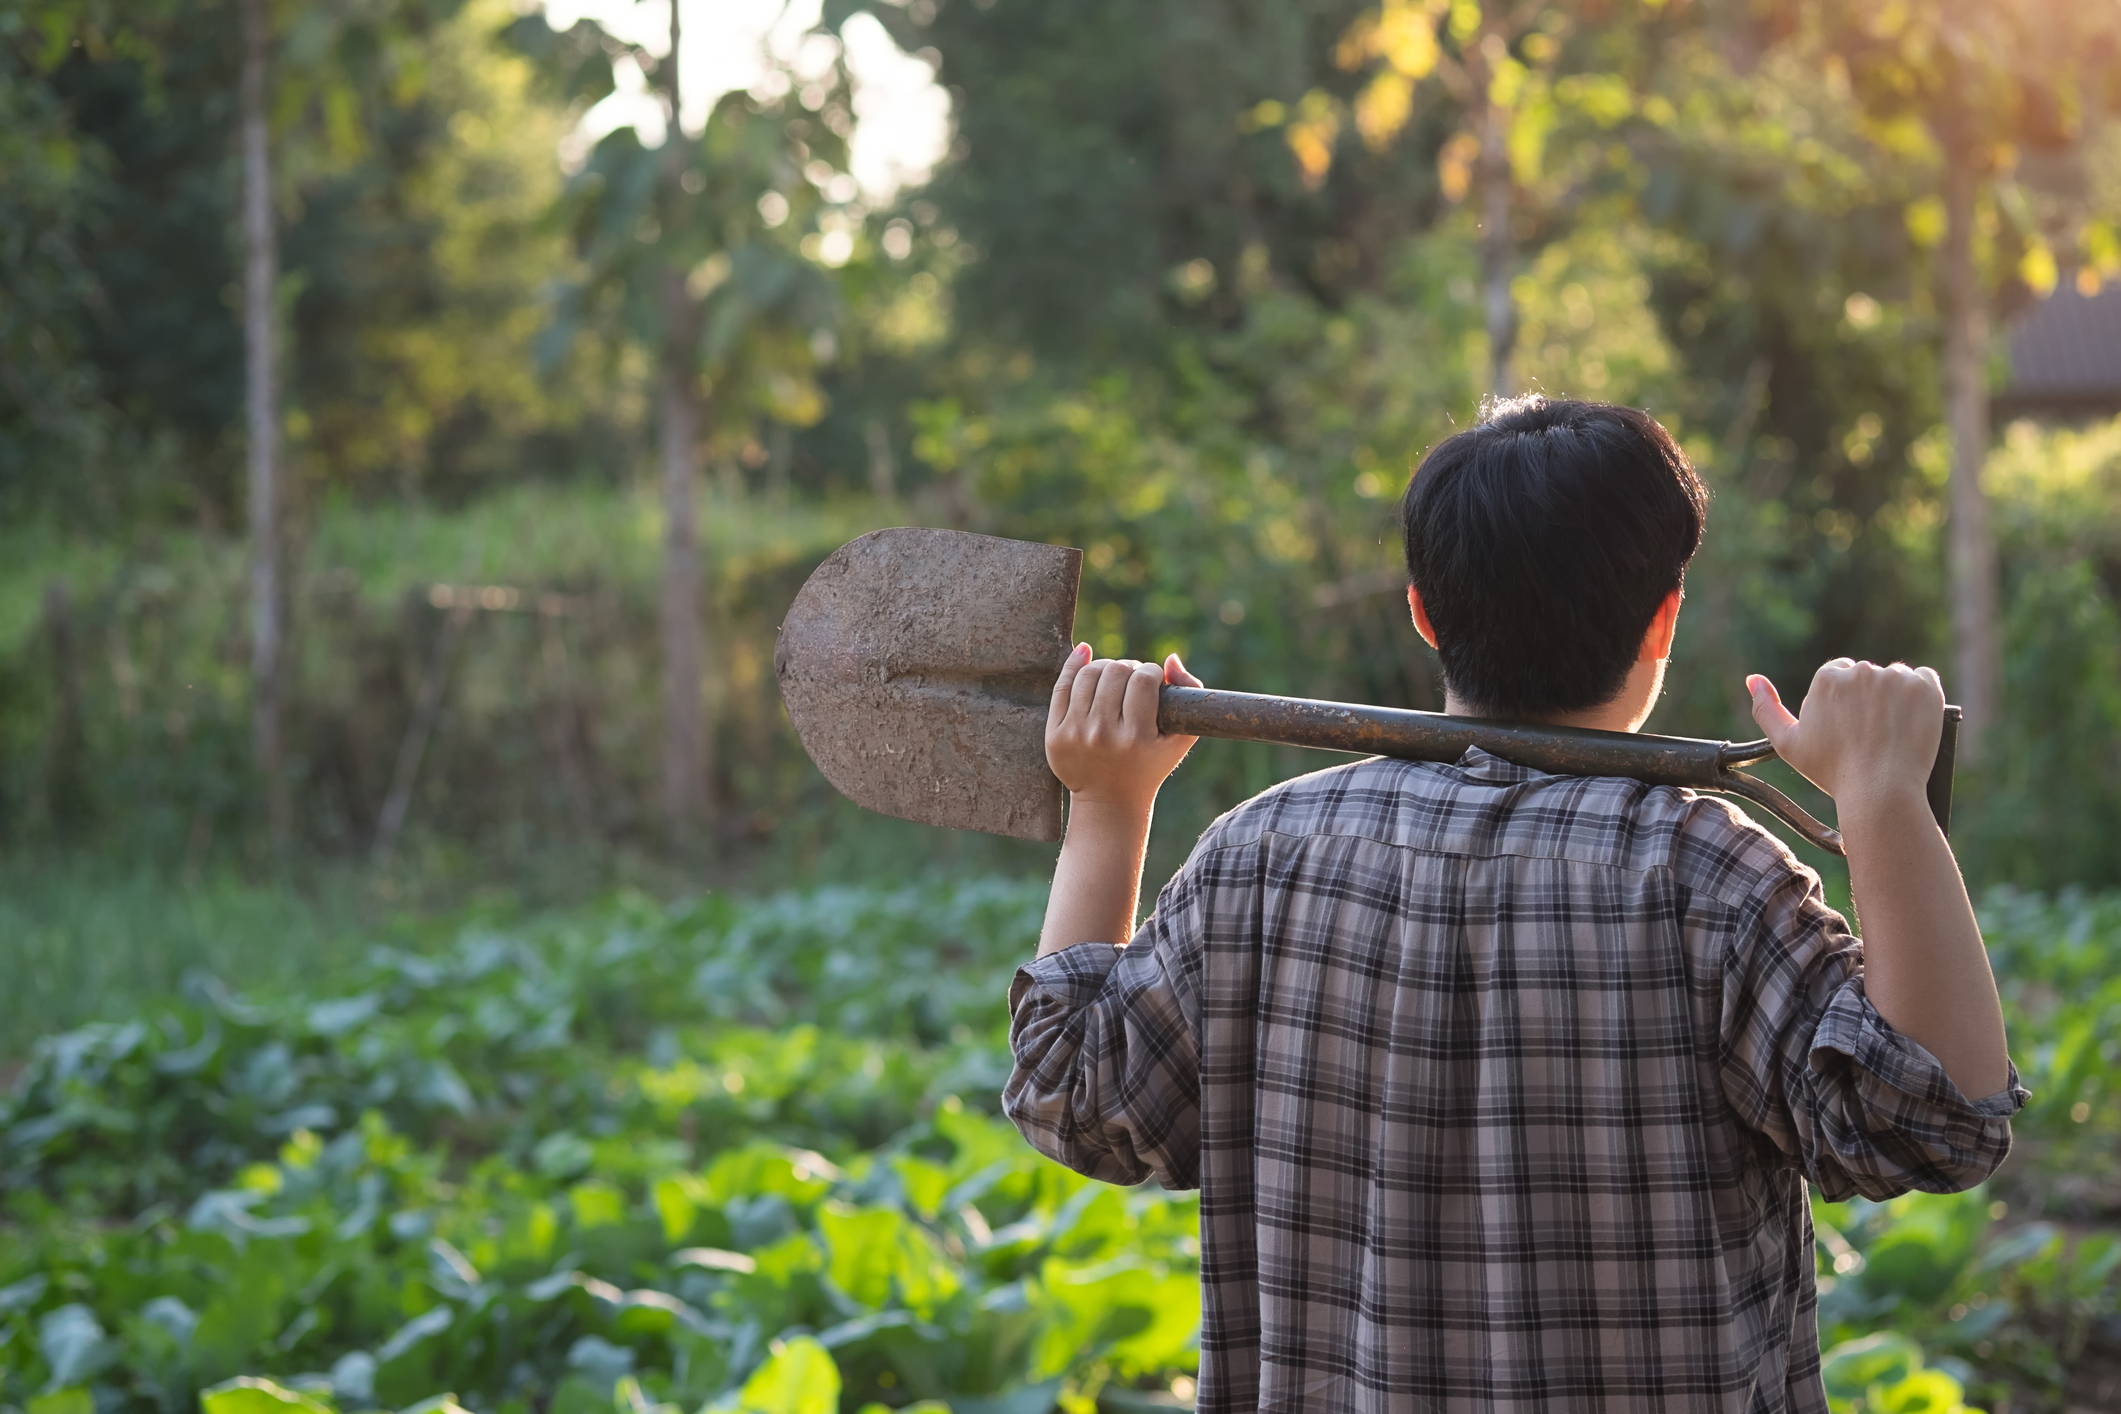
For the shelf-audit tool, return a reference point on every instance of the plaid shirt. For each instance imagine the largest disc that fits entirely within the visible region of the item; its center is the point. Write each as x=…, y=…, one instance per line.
x=1501, y=1090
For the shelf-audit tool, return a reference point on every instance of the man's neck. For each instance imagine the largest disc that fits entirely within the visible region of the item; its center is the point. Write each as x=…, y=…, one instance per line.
x=1617, y=716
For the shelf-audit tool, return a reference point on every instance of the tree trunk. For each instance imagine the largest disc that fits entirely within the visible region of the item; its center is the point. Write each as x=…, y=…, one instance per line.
x=66, y=785
x=261, y=273
x=419, y=730
x=685, y=761
x=1976, y=667
x=883, y=470
x=780, y=450
x=685, y=745
x=1734, y=455
x=1497, y=250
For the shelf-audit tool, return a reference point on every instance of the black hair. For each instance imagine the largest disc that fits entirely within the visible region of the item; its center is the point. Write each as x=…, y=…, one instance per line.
x=1542, y=541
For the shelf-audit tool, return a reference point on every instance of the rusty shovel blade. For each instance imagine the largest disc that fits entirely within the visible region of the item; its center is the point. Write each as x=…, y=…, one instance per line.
x=917, y=666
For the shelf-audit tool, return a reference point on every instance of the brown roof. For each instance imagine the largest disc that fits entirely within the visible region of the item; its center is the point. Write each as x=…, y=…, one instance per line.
x=2066, y=354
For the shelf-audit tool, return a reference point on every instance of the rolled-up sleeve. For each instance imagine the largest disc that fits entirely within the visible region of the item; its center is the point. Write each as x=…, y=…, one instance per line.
x=1809, y=1063
x=1107, y=1065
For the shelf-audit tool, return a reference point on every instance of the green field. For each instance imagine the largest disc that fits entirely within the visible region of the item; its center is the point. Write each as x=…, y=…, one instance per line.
x=744, y=1155
x=403, y=1008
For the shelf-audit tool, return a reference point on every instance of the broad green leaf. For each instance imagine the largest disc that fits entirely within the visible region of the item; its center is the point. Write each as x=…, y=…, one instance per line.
x=1024, y=1399
x=597, y=1205
x=699, y=1366
x=2032, y=1242
x=1141, y=1319
x=421, y=1327
x=336, y=1018
x=599, y=1361
x=562, y=1155
x=247, y=1310
x=677, y=1202
x=2091, y=1263
x=450, y=1270
x=1929, y=1243
x=73, y=1345
x=1094, y=1225
x=1854, y=1366
x=761, y=1168
x=436, y=1404
x=979, y=1141
x=637, y=1154
x=759, y=1220
x=714, y=1259
x=302, y=1150
x=879, y=1254
x=353, y=1379
x=23, y=1294
x=647, y=1312
x=925, y=1183
x=575, y=1395
x=1923, y=1392
x=530, y=1234
x=799, y=1378
x=248, y=1394
x=171, y=1314
x=74, y=1399
x=437, y=1084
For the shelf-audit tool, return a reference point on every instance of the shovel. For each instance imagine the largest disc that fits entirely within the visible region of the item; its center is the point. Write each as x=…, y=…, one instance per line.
x=917, y=666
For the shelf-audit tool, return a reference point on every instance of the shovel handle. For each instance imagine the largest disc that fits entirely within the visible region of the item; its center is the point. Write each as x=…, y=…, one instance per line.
x=1939, y=788
x=1565, y=751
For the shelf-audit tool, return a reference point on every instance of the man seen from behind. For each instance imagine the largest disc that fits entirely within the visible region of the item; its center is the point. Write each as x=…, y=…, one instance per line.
x=1501, y=1089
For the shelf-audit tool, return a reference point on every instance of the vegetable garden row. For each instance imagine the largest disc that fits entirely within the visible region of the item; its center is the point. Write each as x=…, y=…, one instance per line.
x=744, y=1157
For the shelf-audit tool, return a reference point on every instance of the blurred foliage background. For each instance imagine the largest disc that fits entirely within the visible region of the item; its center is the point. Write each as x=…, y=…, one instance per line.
x=1191, y=290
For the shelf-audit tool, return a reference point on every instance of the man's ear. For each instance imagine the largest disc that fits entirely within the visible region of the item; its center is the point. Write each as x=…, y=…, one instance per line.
x=1664, y=625
x=1421, y=617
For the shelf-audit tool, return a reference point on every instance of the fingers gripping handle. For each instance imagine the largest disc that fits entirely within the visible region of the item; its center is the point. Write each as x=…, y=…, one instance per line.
x=1938, y=789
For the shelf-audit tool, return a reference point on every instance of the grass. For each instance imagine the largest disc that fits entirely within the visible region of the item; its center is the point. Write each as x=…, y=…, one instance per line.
x=573, y=1097
x=87, y=939
x=85, y=936
x=538, y=534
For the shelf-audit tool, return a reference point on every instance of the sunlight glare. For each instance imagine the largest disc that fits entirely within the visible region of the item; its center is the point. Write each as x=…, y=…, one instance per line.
x=902, y=115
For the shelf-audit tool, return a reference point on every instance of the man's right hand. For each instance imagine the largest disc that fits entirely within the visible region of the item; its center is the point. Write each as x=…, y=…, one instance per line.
x=1103, y=744
x=1864, y=733
x=1101, y=735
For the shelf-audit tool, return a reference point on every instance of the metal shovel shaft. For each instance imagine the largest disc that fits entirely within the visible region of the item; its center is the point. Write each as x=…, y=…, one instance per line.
x=917, y=666
x=1572, y=751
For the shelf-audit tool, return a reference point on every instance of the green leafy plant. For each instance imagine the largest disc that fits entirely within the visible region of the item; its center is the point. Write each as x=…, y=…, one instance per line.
x=1884, y=1374
x=684, y=1156
x=741, y=1156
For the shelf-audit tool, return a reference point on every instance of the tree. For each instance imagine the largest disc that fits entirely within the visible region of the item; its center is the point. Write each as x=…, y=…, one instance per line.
x=685, y=748
x=1489, y=84
x=261, y=279
x=1779, y=270
x=1966, y=87
x=261, y=403
x=1533, y=93
x=359, y=343
x=53, y=409
x=412, y=177
x=708, y=252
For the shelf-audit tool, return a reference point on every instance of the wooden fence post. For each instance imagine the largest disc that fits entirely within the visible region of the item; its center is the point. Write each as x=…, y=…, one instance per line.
x=66, y=787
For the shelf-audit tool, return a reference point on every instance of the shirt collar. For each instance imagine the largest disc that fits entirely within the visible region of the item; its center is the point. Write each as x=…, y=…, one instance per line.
x=1487, y=766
